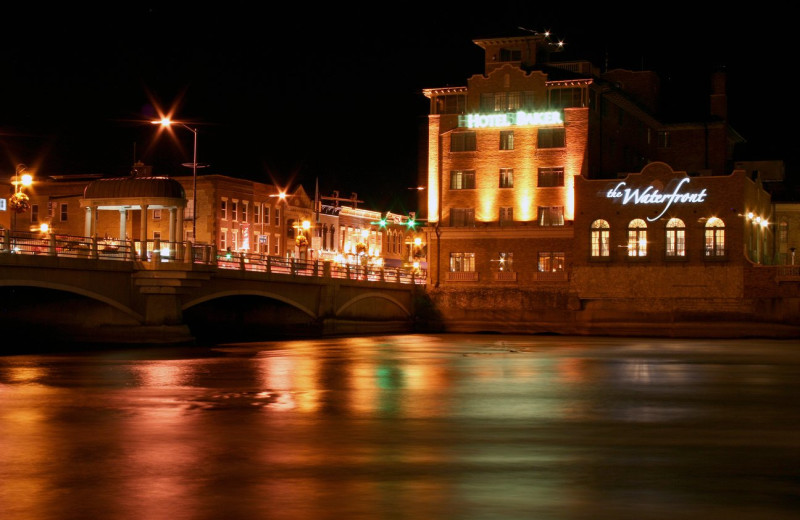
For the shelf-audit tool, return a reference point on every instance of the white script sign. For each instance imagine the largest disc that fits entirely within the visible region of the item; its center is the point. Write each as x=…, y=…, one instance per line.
x=651, y=195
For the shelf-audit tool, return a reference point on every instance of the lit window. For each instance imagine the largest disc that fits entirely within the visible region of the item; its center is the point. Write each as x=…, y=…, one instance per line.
x=506, y=177
x=462, y=262
x=507, y=140
x=676, y=237
x=715, y=237
x=462, y=179
x=551, y=215
x=551, y=262
x=463, y=142
x=601, y=238
x=500, y=101
x=551, y=138
x=637, y=238
x=551, y=177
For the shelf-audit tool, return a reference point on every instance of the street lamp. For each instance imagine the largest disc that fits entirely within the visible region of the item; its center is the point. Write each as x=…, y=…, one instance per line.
x=20, y=202
x=165, y=122
x=281, y=196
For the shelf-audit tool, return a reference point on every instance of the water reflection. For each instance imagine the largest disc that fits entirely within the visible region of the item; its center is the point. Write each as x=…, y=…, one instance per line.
x=404, y=426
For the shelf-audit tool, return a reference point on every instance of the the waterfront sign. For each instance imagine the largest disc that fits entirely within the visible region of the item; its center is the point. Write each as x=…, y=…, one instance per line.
x=652, y=195
x=519, y=118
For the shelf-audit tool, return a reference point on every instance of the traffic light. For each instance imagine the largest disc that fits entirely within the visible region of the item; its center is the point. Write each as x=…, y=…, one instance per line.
x=382, y=222
x=411, y=222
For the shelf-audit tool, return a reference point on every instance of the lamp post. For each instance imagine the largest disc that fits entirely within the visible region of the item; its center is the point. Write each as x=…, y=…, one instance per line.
x=19, y=201
x=281, y=196
x=165, y=122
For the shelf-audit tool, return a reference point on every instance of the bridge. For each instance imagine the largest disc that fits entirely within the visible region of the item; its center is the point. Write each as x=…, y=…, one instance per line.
x=85, y=290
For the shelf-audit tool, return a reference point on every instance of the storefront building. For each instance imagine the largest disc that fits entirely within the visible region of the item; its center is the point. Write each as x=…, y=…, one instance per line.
x=660, y=250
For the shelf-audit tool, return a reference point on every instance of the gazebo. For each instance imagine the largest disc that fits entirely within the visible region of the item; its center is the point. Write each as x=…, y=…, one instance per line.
x=135, y=193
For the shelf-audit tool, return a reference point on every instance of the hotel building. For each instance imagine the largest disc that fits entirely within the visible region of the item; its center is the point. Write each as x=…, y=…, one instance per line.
x=559, y=201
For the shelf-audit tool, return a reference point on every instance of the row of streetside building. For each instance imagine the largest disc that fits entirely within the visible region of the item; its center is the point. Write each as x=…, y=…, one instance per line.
x=236, y=215
x=559, y=200
x=562, y=200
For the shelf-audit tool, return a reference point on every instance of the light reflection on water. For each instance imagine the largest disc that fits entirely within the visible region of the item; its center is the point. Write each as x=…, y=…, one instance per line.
x=405, y=427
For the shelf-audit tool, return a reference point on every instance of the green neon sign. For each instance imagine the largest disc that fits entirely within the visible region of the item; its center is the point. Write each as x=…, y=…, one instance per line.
x=519, y=118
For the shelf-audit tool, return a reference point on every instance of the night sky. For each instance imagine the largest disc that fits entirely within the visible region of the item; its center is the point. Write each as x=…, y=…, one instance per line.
x=296, y=94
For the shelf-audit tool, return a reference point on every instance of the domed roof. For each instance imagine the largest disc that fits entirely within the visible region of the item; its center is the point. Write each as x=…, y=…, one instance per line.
x=134, y=188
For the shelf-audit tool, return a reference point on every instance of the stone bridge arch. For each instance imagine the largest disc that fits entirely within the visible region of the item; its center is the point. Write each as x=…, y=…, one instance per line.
x=72, y=289
x=234, y=293
x=363, y=305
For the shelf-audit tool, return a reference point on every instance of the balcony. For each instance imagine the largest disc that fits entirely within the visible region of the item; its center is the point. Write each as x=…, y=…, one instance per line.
x=504, y=276
x=556, y=276
x=462, y=276
x=788, y=273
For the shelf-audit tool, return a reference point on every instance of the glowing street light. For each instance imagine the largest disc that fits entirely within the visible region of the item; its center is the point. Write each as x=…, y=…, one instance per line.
x=20, y=202
x=166, y=122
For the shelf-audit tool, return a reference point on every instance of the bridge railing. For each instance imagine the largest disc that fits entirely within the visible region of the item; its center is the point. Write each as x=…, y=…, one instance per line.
x=318, y=268
x=30, y=243
x=156, y=251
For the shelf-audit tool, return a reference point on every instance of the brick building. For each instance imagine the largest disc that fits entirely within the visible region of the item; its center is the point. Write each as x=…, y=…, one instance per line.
x=526, y=166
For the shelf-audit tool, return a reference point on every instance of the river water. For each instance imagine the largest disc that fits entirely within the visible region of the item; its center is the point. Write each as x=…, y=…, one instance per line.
x=405, y=427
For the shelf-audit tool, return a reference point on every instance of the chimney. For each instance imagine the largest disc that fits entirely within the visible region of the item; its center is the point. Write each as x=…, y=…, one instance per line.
x=719, y=98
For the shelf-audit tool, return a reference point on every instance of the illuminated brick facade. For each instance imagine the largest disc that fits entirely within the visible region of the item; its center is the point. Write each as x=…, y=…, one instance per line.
x=502, y=158
x=558, y=202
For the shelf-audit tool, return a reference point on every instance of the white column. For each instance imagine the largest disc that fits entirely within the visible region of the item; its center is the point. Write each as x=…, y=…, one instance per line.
x=88, y=221
x=172, y=216
x=123, y=223
x=179, y=224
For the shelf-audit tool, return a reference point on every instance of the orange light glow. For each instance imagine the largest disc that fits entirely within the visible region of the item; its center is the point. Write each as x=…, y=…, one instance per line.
x=433, y=168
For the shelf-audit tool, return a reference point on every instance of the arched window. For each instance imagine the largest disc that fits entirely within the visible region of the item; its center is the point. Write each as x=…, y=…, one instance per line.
x=600, y=238
x=715, y=237
x=637, y=238
x=676, y=238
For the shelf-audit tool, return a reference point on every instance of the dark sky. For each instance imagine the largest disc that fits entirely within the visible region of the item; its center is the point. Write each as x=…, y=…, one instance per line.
x=301, y=93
